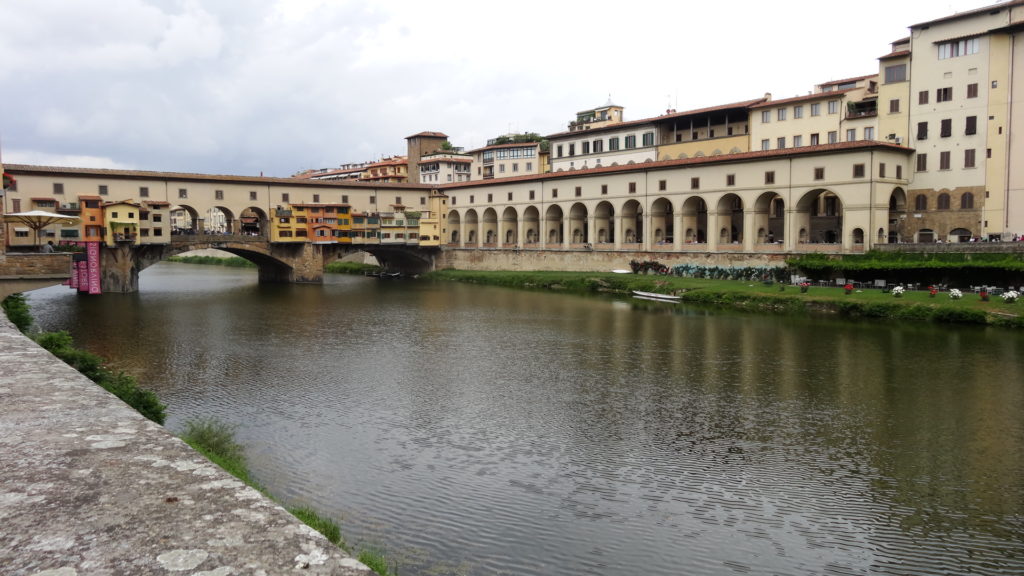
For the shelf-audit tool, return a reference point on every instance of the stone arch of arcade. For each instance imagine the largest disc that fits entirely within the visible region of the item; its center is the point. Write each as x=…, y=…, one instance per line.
x=219, y=218
x=812, y=219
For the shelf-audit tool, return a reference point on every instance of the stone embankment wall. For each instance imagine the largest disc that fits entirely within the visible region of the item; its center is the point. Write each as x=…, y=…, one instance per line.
x=590, y=260
x=21, y=272
x=88, y=486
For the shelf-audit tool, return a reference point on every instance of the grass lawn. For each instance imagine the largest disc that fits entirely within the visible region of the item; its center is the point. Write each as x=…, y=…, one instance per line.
x=755, y=295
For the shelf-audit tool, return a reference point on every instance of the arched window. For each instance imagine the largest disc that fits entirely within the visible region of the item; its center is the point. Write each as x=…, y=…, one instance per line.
x=920, y=202
x=943, y=203
x=967, y=201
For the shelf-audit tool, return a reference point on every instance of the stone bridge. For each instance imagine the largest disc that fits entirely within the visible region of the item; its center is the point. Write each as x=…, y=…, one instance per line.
x=277, y=262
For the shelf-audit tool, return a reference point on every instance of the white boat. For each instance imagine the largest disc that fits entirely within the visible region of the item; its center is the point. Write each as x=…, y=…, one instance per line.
x=655, y=296
x=621, y=271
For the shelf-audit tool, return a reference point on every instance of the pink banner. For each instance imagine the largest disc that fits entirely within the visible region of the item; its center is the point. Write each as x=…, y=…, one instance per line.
x=93, y=250
x=83, y=276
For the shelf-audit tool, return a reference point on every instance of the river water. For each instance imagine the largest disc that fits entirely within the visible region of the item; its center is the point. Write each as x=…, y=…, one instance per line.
x=479, y=430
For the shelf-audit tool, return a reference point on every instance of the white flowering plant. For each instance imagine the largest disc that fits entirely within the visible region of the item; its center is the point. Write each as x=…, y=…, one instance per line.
x=955, y=294
x=897, y=291
x=1010, y=296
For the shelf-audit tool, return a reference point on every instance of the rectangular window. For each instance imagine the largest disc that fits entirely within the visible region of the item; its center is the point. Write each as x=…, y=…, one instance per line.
x=104, y=190
x=896, y=73
x=613, y=143
x=532, y=194
x=182, y=193
x=766, y=144
x=851, y=134
x=798, y=112
x=881, y=170
x=969, y=158
x=559, y=151
x=604, y=189
x=833, y=106
x=509, y=196
x=899, y=171
x=814, y=139
x=373, y=199
x=585, y=147
x=143, y=192
x=922, y=162
x=579, y=191
x=816, y=109
x=344, y=198
x=766, y=116
x=316, y=199
x=630, y=142
x=869, y=132
x=944, y=160
x=694, y=183
x=572, y=149
x=490, y=198
x=972, y=125
x=894, y=106
x=252, y=194
x=58, y=187
x=858, y=170
x=529, y=166
x=798, y=141
x=958, y=48
x=972, y=90
x=285, y=197
x=662, y=185
x=218, y=194
x=730, y=179
x=833, y=137
x=780, y=142
x=554, y=192
x=819, y=173
x=501, y=167
x=922, y=130
x=780, y=114
x=943, y=94
x=632, y=187
x=922, y=97
x=598, y=148
x=649, y=139
x=769, y=177
x=946, y=128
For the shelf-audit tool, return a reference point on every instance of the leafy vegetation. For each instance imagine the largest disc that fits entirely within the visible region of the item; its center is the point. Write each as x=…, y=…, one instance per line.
x=955, y=268
x=378, y=562
x=16, y=308
x=233, y=262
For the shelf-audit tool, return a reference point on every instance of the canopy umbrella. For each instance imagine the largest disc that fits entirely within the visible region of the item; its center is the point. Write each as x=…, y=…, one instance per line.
x=38, y=219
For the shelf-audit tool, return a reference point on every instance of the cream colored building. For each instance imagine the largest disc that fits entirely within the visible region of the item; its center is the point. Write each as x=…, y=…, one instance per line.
x=506, y=160
x=964, y=127
x=444, y=167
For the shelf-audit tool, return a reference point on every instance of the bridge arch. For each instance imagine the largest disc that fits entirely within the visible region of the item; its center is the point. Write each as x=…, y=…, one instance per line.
x=604, y=222
x=489, y=230
x=531, y=224
x=578, y=223
x=455, y=226
x=661, y=221
x=509, y=232
x=553, y=225
x=819, y=213
x=472, y=228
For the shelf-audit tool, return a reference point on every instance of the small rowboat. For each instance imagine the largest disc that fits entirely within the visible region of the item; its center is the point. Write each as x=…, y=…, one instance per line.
x=655, y=296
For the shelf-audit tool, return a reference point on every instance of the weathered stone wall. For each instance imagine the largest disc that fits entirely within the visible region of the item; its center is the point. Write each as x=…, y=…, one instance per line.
x=88, y=486
x=591, y=261
x=22, y=272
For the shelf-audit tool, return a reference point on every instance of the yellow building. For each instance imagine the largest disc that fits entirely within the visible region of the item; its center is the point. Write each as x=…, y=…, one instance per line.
x=121, y=222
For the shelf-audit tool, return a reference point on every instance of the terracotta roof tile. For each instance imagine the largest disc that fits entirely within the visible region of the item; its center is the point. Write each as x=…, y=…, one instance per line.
x=897, y=54
x=656, y=119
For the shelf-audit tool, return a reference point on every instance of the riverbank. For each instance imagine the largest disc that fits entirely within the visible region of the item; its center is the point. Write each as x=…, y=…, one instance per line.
x=91, y=486
x=757, y=296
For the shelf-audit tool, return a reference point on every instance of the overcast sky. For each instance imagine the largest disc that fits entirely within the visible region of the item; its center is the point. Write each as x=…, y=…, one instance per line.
x=248, y=87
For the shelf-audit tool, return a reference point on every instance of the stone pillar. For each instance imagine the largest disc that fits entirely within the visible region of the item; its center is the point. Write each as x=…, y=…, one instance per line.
x=714, y=229
x=749, y=230
x=677, y=230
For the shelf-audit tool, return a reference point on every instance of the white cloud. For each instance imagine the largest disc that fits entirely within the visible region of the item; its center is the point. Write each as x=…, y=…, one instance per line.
x=244, y=87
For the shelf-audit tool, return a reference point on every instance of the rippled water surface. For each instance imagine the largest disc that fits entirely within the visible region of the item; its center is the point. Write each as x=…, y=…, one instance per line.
x=477, y=430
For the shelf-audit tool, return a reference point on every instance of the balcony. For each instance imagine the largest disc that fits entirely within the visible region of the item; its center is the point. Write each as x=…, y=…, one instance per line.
x=69, y=208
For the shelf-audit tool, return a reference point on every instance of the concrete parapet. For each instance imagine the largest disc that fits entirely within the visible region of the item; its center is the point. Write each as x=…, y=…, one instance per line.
x=90, y=487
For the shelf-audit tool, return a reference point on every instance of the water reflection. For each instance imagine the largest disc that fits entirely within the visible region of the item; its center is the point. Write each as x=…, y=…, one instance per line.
x=488, y=431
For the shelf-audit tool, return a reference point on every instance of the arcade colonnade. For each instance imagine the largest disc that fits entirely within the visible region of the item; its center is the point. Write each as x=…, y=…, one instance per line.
x=812, y=220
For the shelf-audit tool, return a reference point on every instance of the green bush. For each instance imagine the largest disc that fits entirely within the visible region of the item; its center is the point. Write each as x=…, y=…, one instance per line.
x=16, y=308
